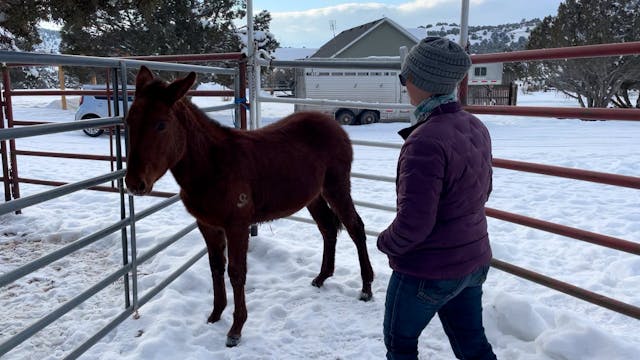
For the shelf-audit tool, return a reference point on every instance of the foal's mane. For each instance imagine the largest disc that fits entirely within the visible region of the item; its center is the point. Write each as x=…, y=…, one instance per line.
x=189, y=114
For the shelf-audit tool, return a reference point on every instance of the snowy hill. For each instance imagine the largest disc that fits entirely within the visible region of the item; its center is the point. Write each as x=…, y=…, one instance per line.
x=484, y=39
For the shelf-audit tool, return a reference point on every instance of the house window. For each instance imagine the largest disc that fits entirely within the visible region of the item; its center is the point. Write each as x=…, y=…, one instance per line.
x=481, y=71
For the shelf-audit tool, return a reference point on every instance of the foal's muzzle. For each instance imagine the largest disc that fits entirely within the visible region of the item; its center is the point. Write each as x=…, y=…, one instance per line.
x=137, y=187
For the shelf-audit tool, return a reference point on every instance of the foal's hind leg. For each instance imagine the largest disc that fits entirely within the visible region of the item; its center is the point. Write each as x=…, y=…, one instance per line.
x=238, y=242
x=215, y=239
x=337, y=193
x=328, y=225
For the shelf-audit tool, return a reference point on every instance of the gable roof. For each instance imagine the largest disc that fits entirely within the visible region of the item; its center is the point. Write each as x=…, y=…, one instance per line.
x=348, y=37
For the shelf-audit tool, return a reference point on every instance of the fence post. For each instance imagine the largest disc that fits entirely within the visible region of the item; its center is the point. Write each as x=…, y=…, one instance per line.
x=13, y=161
x=3, y=150
x=132, y=212
x=243, y=92
x=123, y=208
x=464, y=43
x=63, y=98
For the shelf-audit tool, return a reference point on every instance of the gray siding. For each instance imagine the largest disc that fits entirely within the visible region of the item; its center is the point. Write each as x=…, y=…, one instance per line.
x=384, y=40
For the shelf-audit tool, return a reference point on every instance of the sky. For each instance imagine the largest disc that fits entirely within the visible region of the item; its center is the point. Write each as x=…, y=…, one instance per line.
x=288, y=319
x=308, y=23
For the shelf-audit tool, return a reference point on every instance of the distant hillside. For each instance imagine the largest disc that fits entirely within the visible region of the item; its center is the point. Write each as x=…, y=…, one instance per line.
x=50, y=41
x=484, y=39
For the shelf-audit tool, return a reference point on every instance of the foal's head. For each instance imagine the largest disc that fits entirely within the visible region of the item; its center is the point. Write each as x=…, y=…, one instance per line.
x=157, y=139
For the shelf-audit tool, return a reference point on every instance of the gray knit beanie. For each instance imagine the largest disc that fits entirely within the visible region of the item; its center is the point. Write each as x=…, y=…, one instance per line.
x=436, y=65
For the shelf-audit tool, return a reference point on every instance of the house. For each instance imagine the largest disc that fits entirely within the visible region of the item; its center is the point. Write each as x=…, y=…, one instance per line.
x=382, y=37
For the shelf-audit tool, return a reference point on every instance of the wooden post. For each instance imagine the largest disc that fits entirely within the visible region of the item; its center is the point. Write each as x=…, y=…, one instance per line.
x=63, y=98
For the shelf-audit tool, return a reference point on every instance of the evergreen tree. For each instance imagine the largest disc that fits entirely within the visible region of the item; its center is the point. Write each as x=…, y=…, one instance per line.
x=261, y=23
x=19, y=32
x=594, y=81
x=162, y=27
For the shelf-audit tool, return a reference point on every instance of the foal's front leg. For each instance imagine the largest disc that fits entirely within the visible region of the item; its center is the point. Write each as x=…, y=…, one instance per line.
x=238, y=242
x=216, y=242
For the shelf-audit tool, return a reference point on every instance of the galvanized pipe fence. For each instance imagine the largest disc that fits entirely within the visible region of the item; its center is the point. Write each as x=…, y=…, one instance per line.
x=128, y=214
x=632, y=247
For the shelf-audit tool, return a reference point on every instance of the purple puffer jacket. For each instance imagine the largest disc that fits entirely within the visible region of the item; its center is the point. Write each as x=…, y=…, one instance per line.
x=443, y=182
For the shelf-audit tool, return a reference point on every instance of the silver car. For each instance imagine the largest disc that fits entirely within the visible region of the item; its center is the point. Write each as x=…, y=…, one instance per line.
x=97, y=106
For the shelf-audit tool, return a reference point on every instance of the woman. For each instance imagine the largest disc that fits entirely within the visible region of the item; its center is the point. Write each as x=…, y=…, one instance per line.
x=438, y=245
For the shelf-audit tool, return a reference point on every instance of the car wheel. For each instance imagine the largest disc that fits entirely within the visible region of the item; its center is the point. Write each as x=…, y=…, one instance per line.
x=93, y=132
x=346, y=117
x=369, y=117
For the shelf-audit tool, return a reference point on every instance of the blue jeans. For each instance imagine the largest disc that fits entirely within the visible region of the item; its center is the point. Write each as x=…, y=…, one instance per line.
x=412, y=302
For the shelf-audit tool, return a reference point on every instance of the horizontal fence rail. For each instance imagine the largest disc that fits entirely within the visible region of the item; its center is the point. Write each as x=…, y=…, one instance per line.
x=573, y=52
x=31, y=58
x=578, y=234
x=353, y=64
x=570, y=173
x=53, y=128
x=21, y=203
x=558, y=112
x=353, y=104
x=586, y=295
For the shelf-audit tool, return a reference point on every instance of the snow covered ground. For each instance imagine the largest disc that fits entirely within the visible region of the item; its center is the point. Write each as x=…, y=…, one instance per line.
x=290, y=319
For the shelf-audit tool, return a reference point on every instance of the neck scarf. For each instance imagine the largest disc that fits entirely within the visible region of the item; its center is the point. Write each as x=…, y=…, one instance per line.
x=426, y=107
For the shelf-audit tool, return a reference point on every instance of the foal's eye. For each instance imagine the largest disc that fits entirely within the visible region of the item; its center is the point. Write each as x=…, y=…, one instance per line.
x=161, y=126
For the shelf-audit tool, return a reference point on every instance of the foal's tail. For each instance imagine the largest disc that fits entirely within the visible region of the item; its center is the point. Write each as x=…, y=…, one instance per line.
x=325, y=217
x=336, y=221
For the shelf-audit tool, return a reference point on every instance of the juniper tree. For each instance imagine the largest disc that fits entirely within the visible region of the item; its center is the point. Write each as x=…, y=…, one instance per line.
x=592, y=81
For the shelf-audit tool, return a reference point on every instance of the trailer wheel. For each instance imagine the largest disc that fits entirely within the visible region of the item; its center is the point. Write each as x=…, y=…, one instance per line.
x=346, y=117
x=369, y=117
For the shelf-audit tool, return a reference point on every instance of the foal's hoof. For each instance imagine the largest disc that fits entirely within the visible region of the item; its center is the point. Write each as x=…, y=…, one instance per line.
x=233, y=340
x=317, y=282
x=365, y=296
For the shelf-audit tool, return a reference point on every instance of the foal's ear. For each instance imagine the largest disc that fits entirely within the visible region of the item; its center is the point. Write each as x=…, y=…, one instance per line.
x=144, y=76
x=177, y=89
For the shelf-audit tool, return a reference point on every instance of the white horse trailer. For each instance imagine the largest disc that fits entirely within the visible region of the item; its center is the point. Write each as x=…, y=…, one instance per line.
x=486, y=74
x=365, y=85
